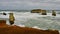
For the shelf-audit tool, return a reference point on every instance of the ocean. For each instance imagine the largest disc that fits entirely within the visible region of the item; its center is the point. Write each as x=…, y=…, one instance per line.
x=28, y=19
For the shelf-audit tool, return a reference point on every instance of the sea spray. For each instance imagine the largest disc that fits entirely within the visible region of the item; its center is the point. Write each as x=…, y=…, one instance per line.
x=35, y=19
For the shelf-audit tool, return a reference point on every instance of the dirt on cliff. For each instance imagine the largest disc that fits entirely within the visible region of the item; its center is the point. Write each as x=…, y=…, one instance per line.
x=24, y=30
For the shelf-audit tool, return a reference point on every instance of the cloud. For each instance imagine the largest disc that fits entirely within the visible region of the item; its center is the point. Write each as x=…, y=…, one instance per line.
x=29, y=4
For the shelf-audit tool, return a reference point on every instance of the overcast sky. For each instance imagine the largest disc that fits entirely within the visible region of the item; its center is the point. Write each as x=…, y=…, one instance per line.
x=29, y=4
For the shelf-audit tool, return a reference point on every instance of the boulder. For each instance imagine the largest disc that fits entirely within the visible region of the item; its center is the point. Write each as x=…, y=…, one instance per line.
x=4, y=13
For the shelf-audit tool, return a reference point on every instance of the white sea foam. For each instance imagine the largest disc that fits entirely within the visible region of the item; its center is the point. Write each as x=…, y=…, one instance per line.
x=35, y=19
x=21, y=25
x=38, y=27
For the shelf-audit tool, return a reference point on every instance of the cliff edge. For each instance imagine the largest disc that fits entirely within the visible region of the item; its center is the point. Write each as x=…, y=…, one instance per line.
x=8, y=29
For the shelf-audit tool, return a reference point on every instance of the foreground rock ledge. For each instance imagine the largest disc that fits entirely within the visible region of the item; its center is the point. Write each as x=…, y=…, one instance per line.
x=8, y=29
x=24, y=30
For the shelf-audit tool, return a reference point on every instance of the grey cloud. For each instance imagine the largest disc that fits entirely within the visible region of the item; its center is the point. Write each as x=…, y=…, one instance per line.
x=29, y=4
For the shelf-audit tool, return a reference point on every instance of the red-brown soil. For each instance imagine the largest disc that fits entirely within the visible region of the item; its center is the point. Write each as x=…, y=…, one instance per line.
x=8, y=29
x=24, y=30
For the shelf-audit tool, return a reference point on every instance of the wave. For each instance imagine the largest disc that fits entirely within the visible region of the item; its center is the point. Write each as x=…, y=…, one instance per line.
x=36, y=19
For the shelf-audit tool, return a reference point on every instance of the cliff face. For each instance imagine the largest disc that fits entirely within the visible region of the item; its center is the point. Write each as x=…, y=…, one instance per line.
x=25, y=30
x=8, y=29
x=2, y=23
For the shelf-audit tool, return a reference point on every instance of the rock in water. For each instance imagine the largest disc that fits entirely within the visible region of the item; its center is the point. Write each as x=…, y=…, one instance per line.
x=11, y=18
x=53, y=13
x=4, y=13
x=43, y=12
x=36, y=11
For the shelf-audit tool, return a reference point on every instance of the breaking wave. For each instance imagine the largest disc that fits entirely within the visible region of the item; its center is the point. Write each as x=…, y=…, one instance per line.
x=36, y=20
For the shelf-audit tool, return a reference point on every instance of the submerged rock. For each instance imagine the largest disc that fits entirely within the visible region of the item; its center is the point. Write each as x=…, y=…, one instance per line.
x=4, y=13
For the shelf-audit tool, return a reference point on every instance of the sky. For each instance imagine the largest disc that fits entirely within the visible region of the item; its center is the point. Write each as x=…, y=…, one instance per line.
x=29, y=4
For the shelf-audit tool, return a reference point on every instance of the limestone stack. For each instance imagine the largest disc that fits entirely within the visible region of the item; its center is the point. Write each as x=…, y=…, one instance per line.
x=11, y=18
x=43, y=12
x=36, y=11
x=53, y=13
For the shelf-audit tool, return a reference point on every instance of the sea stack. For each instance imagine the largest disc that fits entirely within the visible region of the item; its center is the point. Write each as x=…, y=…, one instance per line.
x=43, y=12
x=11, y=18
x=53, y=13
x=36, y=11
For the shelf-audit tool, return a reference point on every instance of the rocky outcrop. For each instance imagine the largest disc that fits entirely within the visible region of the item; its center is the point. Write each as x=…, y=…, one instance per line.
x=25, y=30
x=36, y=11
x=53, y=13
x=3, y=23
x=11, y=18
x=4, y=13
x=43, y=12
x=9, y=29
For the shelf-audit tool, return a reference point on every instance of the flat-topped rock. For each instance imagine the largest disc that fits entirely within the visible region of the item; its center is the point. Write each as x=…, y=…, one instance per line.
x=43, y=12
x=36, y=11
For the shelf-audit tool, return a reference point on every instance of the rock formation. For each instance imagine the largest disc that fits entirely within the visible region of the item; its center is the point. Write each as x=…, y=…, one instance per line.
x=25, y=30
x=11, y=18
x=4, y=13
x=8, y=29
x=3, y=23
x=53, y=13
x=36, y=11
x=43, y=12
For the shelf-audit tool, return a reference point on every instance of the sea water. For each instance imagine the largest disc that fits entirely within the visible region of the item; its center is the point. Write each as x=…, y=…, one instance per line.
x=28, y=19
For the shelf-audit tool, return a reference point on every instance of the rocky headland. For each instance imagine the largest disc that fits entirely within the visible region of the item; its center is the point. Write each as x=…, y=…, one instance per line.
x=9, y=29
